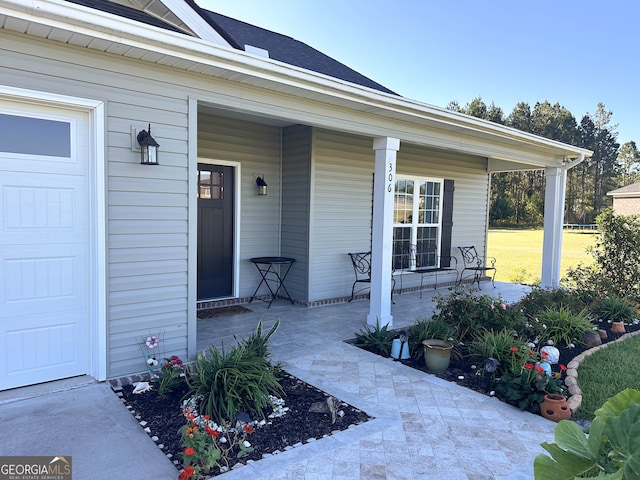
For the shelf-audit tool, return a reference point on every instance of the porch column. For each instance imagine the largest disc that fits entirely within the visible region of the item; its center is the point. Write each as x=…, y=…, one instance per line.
x=553, y=224
x=382, y=231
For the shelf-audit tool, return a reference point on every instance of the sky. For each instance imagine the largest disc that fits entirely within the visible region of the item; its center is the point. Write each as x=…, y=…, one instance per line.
x=575, y=53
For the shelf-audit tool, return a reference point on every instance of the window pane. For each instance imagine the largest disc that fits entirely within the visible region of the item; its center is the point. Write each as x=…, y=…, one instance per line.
x=428, y=209
x=210, y=185
x=204, y=184
x=403, y=202
x=427, y=247
x=35, y=136
x=401, y=242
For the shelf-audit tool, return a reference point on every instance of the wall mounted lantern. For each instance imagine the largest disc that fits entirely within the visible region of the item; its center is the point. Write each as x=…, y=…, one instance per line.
x=262, y=186
x=148, y=148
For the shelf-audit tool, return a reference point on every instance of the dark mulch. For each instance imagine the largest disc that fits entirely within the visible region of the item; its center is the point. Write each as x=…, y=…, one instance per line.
x=223, y=311
x=460, y=371
x=164, y=418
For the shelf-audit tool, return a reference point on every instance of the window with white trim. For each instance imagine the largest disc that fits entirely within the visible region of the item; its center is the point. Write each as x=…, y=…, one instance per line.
x=417, y=221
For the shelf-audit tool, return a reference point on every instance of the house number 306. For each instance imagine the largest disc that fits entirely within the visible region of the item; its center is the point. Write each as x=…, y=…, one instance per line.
x=390, y=178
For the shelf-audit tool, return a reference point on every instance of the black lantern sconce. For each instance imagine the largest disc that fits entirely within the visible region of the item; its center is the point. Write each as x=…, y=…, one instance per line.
x=148, y=148
x=262, y=186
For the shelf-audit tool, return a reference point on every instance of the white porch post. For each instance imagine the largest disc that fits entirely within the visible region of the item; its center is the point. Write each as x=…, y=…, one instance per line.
x=553, y=224
x=382, y=235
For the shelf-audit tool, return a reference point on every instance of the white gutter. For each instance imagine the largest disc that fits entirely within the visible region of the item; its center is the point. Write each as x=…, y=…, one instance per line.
x=581, y=157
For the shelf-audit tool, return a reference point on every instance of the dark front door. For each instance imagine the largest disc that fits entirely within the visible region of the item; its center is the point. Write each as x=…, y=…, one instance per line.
x=215, y=231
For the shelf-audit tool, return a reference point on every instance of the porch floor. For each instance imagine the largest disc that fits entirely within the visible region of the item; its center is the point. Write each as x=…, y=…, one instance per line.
x=424, y=427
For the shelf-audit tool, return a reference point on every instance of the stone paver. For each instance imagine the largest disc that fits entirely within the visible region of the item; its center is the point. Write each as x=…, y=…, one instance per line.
x=424, y=427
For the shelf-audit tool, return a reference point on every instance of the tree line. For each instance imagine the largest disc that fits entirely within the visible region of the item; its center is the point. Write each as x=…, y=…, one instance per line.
x=517, y=198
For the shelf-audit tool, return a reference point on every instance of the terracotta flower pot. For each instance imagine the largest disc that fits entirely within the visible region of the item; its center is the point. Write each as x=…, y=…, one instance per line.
x=437, y=355
x=555, y=407
x=618, y=327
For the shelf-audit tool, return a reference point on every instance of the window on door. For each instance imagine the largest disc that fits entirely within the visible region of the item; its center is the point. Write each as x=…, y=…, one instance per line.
x=417, y=220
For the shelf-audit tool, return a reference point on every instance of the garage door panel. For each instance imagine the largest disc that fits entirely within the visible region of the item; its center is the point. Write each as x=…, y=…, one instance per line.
x=38, y=347
x=41, y=208
x=45, y=295
x=55, y=281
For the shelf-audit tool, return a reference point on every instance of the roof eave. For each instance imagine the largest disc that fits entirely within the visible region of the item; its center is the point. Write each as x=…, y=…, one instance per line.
x=189, y=50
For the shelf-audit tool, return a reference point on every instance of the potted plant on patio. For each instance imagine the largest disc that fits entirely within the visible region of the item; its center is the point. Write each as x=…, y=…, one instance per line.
x=437, y=354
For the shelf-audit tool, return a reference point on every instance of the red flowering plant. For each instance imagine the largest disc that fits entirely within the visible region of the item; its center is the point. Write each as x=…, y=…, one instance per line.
x=171, y=374
x=525, y=388
x=207, y=445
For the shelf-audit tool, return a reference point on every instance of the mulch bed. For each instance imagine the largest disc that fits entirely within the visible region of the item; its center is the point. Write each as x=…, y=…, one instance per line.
x=461, y=373
x=163, y=417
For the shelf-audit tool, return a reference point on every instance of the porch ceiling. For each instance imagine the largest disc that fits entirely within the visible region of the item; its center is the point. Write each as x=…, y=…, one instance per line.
x=322, y=101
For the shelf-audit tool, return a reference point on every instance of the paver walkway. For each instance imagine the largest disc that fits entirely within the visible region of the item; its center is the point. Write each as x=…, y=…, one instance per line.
x=425, y=427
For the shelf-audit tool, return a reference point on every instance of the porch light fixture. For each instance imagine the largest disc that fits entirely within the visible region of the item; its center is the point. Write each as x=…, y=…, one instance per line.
x=148, y=148
x=262, y=186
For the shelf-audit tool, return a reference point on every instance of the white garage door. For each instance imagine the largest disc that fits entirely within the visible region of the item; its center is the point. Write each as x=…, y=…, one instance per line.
x=44, y=244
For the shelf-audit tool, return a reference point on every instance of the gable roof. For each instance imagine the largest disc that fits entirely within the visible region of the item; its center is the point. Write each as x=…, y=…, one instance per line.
x=284, y=49
x=629, y=190
x=239, y=34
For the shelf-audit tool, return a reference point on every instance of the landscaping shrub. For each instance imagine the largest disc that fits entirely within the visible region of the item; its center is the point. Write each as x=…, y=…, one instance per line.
x=469, y=314
x=616, y=269
x=526, y=388
x=538, y=299
x=561, y=325
x=615, y=309
x=225, y=383
x=503, y=346
x=377, y=340
x=425, y=329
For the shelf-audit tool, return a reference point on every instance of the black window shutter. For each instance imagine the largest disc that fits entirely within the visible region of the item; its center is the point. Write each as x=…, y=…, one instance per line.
x=447, y=223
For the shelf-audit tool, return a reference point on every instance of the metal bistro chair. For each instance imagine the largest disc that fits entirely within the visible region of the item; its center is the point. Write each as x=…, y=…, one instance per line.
x=361, y=262
x=425, y=263
x=477, y=265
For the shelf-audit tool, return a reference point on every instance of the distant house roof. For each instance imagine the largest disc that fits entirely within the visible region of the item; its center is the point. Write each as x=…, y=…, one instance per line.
x=284, y=48
x=628, y=191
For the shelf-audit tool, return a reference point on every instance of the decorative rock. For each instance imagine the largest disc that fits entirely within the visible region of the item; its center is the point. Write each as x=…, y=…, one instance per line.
x=142, y=423
x=169, y=455
x=574, y=402
x=147, y=429
x=161, y=446
x=569, y=381
x=553, y=354
x=575, y=390
x=592, y=339
x=154, y=438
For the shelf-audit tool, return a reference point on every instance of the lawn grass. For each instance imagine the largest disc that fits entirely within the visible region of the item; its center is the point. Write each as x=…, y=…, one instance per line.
x=518, y=253
x=607, y=372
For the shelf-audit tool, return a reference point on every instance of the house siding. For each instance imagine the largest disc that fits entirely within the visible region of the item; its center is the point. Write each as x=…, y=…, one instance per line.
x=343, y=173
x=296, y=208
x=257, y=147
x=146, y=216
x=626, y=205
